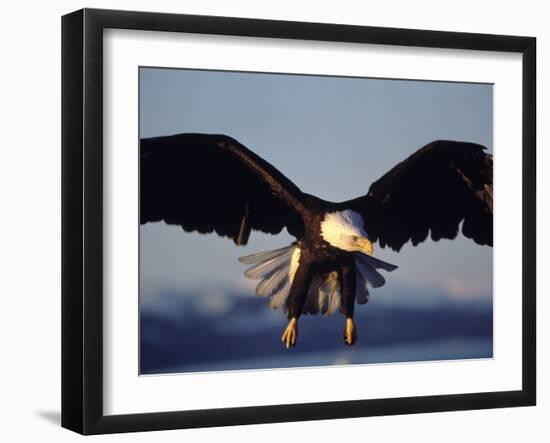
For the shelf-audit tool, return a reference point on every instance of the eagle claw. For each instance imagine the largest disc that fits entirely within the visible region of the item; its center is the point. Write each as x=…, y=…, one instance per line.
x=350, y=333
x=291, y=333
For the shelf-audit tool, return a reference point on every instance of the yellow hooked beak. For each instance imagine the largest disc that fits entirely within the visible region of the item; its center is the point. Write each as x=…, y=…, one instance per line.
x=365, y=245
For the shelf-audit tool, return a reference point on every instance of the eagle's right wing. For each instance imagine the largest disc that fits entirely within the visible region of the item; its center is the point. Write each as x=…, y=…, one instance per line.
x=212, y=183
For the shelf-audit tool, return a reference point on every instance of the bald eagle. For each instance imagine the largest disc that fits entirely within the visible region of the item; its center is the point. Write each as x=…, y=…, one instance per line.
x=212, y=183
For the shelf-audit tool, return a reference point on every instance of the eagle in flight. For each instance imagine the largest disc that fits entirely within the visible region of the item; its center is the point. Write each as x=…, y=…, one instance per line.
x=212, y=183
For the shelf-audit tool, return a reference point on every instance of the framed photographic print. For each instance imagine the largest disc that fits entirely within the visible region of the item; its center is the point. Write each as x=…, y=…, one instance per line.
x=269, y=221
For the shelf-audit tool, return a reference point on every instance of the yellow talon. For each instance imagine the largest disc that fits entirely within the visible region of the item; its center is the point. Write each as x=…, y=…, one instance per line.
x=350, y=334
x=291, y=333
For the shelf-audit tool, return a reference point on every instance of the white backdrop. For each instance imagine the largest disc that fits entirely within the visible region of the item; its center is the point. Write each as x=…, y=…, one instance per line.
x=30, y=226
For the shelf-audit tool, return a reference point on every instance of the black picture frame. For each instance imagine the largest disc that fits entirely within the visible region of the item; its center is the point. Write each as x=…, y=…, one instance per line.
x=82, y=218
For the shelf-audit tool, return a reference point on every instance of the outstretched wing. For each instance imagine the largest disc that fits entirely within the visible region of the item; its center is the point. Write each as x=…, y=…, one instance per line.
x=434, y=190
x=212, y=183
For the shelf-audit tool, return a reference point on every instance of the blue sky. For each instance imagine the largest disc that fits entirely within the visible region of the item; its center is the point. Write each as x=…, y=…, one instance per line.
x=332, y=136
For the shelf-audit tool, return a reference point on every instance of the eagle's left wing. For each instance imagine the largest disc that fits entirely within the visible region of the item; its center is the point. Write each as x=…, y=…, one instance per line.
x=434, y=190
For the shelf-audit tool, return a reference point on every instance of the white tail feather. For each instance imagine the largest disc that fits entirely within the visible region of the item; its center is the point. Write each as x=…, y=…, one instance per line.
x=264, y=255
x=370, y=274
x=323, y=295
x=274, y=282
x=361, y=290
x=264, y=268
x=332, y=289
x=276, y=269
x=312, y=305
x=279, y=298
x=375, y=262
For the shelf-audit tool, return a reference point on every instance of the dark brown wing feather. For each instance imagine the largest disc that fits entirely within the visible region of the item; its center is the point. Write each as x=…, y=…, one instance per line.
x=212, y=183
x=434, y=190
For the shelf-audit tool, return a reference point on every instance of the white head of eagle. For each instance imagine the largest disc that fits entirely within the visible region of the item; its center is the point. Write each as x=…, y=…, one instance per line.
x=344, y=230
